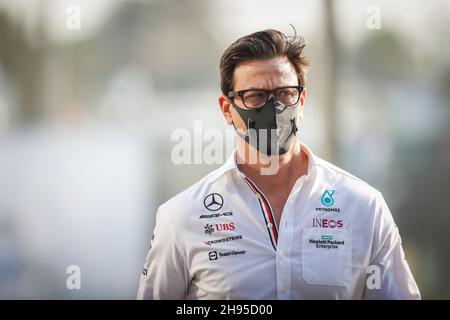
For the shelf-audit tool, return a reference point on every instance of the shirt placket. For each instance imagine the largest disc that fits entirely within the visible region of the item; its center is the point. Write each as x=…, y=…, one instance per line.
x=285, y=242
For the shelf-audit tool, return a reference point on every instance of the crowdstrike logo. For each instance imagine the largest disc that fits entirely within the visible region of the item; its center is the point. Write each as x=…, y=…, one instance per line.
x=210, y=242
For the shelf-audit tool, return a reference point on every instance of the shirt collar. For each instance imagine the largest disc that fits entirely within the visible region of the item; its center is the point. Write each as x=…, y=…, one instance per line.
x=231, y=165
x=312, y=159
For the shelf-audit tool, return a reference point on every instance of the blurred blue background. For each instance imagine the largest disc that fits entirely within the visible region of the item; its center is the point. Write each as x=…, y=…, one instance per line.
x=88, y=108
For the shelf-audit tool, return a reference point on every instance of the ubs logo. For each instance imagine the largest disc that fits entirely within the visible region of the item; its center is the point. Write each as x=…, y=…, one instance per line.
x=210, y=228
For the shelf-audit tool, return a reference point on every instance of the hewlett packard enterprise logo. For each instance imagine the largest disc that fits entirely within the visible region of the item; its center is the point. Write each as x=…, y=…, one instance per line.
x=327, y=242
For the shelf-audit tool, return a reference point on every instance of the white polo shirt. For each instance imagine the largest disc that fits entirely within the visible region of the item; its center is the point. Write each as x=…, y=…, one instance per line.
x=218, y=240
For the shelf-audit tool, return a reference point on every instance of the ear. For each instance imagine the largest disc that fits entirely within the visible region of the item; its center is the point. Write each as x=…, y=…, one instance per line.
x=303, y=97
x=226, y=105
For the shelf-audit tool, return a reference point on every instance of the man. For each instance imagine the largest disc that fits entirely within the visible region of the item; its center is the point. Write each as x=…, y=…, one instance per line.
x=275, y=221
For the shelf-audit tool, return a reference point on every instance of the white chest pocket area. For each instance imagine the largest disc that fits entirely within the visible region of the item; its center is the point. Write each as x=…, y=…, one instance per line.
x=326, y=256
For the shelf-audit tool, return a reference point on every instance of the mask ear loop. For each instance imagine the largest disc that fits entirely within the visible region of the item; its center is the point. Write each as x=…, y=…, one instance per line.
x=250, y=129
x=250, y=125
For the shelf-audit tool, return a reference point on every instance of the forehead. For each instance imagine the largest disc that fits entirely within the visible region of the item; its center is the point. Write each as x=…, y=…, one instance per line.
x=264, y=73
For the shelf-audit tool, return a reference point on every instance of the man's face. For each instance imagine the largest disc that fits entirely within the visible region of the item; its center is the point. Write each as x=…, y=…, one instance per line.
x=259, y=74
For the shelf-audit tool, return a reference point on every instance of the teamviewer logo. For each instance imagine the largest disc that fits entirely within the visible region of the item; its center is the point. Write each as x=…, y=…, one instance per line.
x=213, y=255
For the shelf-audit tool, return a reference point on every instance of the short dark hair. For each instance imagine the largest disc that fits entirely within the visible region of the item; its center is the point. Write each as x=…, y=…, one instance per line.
x=264, y=44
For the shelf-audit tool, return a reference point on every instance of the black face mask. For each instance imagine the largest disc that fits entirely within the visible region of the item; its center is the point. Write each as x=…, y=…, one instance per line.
x=270, y=128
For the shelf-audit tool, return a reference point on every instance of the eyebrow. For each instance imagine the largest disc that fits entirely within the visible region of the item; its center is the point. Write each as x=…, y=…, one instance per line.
x=252, y=88
x=259, y=88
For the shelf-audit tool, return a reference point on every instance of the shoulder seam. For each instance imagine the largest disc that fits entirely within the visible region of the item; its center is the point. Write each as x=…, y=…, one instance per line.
x=342, y=172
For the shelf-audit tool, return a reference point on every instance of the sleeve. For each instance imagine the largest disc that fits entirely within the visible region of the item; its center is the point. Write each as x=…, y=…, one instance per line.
x=392, y=278
x=165, y=274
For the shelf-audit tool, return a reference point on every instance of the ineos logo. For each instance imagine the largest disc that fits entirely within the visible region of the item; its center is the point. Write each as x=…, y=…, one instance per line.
x=213, y=202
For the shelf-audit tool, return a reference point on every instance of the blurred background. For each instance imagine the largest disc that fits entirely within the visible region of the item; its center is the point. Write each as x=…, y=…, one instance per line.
x=91, y=93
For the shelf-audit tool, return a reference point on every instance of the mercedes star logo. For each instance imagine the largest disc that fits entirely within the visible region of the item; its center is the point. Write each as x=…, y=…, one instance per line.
x=213, y=202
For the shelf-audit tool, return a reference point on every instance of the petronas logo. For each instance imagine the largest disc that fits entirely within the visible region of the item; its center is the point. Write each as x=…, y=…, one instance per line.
x=327, y=198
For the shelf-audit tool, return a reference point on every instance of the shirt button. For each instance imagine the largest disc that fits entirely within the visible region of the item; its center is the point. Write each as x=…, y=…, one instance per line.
x=269, y=225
